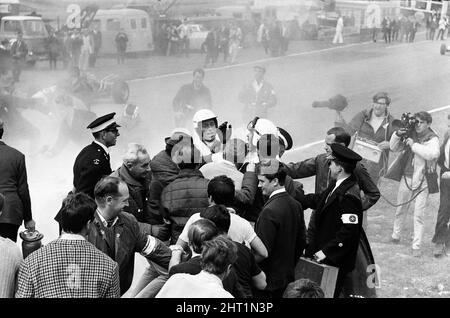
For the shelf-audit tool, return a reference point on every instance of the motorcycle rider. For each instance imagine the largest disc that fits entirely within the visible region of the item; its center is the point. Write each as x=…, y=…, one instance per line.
x=190, y=98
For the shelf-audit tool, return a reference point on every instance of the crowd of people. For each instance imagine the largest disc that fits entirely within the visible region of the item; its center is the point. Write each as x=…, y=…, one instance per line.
x=216, y=215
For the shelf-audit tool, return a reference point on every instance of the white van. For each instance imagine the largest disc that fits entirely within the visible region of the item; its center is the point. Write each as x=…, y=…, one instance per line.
x=34, y=34
x=135, y=24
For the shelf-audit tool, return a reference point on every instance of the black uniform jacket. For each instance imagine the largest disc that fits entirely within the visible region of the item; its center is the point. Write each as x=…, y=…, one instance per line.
x=14, y=186
x=338, y=224
x=91, y=164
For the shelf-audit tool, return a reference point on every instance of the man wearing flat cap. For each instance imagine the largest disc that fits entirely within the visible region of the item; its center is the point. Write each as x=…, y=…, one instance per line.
x=93, y=161
x=338, y=220
x=258, y=96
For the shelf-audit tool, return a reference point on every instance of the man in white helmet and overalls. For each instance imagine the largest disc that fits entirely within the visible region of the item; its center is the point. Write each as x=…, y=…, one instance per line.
x=208, y=136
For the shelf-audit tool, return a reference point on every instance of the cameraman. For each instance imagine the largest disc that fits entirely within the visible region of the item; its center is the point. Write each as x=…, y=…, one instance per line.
x=420, y=151
x=374, y=125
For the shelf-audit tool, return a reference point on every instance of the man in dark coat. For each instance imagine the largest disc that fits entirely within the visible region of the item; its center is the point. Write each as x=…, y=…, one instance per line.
x=117, y=234
x=335, y=237
x=135, y=172
x=93, y=161
x=14, y=187
x=320, y=167
x=121, y=45
x=281, y=227
x=190, y=98
x=19, y=51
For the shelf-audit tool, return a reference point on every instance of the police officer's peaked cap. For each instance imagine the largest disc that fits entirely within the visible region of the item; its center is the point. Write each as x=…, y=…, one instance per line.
x=344, y=154
x=102, y=123
x=286, y=138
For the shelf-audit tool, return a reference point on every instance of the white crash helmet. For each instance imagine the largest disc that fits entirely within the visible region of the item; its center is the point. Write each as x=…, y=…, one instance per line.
x=262, y=127
x=202, y=115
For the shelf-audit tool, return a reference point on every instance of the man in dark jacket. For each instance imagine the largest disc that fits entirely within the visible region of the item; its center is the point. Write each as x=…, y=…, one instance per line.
x=117, y=234
x=190, y=98
x=319, y=166
x=188, y=193
x=281, y=221
x=441, y=237
x=93, y=161
x=19, y=51
x=135, y=172
x=14, y=186
x=121, y=40
x=335, y=237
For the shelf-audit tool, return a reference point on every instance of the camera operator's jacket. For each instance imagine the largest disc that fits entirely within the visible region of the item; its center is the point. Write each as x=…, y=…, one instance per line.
x=426, y=152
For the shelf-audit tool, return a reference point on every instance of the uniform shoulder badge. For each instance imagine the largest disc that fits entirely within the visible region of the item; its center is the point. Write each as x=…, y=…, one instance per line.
x=96, y=161
x=349, y=218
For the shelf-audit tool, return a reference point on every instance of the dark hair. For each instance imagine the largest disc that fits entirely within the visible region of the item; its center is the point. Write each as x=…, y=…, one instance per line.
x=272, y=169
x=424, y=116
x=201, y=231
x=218, y=254
x=303, y=288
x=106, y=186
x=348, y=167
x=78, y=209
x=199, y=70
x=341, y=136
x=221, y=189
x=1, y=132
x=219, y=215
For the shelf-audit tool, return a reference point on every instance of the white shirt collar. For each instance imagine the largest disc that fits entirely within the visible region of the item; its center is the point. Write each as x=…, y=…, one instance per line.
x=71, y=237
x=338, y=183
x=104, y=222
x=103, y=146
x=277, y=191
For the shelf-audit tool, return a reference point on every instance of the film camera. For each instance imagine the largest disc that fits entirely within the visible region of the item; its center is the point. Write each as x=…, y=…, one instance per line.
x=407, y=122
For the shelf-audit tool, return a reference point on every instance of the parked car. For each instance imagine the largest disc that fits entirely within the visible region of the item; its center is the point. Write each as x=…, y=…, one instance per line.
x=197, y=35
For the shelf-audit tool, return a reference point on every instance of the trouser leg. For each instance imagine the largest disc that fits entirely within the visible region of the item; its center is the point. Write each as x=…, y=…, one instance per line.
x=404, y=195
x=441, y=232
x=419, y=215
x=9, y=231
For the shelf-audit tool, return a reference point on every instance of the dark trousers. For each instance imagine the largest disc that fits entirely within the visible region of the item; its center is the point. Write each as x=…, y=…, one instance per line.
x=16, y=69
x=442, y=231
x=120, y=57
x=9, y=231
x=268, y=294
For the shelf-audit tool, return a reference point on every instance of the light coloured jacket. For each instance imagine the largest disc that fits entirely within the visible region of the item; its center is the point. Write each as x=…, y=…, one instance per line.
x=428, y=151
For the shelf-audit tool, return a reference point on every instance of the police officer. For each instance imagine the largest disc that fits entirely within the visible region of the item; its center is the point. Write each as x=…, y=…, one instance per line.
x=335, y=237
x=93, y=161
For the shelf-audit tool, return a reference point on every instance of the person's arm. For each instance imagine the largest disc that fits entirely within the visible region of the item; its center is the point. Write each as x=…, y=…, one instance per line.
x=301, y=169
x=177, y=253
x=396, y=143
x=24, y=193
x=259, y=281
x=368, y=187
x=259, y=249
x=429, y=150
x=246, y=195
x=114, y=287
x=266, y=230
